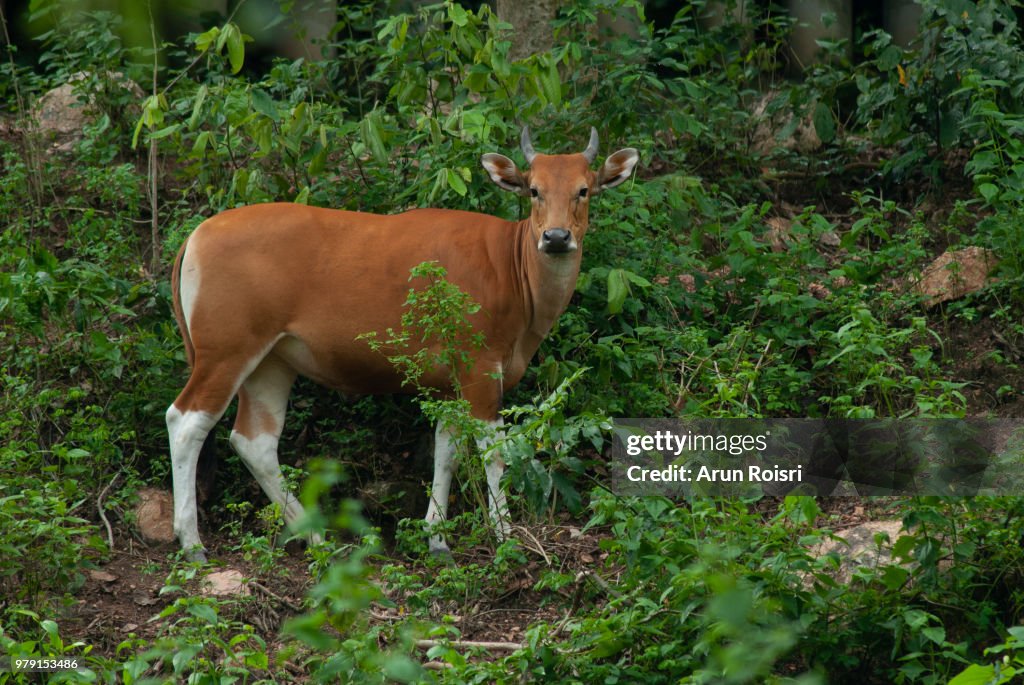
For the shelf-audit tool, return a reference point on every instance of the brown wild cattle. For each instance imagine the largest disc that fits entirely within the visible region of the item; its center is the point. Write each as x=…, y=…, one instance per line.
x=267, y=292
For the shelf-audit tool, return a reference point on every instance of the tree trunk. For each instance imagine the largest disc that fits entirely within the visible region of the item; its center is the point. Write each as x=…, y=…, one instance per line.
x=531, y=25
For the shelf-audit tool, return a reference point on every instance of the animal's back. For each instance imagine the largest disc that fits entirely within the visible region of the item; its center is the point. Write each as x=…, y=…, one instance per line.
x=308, y=282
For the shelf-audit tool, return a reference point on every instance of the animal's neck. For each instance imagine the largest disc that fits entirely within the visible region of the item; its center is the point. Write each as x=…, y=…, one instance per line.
x=548, y=282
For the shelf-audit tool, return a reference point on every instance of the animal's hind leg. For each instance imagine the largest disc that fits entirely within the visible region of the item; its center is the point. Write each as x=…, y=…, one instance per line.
x=189, y=420
x=262, y=402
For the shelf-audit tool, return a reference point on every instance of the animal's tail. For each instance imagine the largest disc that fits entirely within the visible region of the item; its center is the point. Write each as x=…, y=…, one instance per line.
x=208, y=458
x=179, y=313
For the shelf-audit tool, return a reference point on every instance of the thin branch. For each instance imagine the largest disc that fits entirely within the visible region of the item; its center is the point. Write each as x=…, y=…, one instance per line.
x=31, y=153
x=10, y=59
x=154, y=212
x=536, y=547
x=471, y=644
x=600, y=582
x=273, y=595
x=103, y=516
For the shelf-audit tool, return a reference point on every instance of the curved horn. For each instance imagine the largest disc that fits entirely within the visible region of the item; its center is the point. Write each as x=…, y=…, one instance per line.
x=591, y=152
x=527, y=146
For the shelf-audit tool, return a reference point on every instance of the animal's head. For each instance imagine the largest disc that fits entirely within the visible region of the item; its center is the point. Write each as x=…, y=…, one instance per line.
x=560, y=188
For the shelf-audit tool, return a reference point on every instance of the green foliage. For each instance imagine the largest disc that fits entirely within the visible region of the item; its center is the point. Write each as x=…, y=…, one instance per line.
x=46, y=546
x=541, y=448
x=963, y=70
x=1002, y=669
x=436, y=335
x=202, y=645
x=46, y=643
x=338, y=642
x=691, y=301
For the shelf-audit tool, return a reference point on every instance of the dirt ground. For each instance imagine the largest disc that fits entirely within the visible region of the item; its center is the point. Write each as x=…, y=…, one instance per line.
x=122, y=599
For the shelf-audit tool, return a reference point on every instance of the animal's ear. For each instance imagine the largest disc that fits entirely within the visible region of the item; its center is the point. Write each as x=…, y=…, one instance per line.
x=504, y=172
x=617, y=168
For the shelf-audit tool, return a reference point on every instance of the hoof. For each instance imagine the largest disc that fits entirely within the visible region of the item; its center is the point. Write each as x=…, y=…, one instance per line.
x=196, y=555
x=443, y=555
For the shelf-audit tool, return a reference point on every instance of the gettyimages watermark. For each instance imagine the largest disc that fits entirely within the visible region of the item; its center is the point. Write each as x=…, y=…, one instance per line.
x=839, y=457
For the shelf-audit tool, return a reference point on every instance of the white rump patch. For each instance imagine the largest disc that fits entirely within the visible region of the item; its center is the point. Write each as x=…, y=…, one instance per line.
x=188, y=288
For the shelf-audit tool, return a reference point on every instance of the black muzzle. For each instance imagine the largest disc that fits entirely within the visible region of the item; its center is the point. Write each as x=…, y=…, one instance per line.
x=556, y=240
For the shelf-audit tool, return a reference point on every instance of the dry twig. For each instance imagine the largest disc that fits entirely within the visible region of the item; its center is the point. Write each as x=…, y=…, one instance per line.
x=273, y=595
x=536, y=547
x=470, y=644
x=103, y=516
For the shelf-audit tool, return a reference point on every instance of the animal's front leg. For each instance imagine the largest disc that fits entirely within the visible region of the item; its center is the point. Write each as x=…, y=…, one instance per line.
x=494, y=467
x=444, y=466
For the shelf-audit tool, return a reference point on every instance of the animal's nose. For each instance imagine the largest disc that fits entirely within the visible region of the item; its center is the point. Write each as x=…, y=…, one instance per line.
x=556, y=240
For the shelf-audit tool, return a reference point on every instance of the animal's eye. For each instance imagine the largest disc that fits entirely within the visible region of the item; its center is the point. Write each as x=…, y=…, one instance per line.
x=583, y=192
x=533, y=191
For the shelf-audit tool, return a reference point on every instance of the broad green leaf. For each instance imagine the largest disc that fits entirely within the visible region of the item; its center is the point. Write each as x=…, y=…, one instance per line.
x=257, y=660
x=164, y=132
x=824, y=123
x=262, y=103
x=618, y=288
x=369, y=129
x=202, y=140
x=318, y=162
x=205, y=40
x=152, y=116
x=389, y=26
x=456, y=183
x=989, y=191
x=457, y=14
x=893, y=577
x=204, y=612
x=890, y=57
x=915, y=618
x=976, y=675
x=637, y=279
x=236, y=49
x=309, y=629
x=551, y=83
x=263, y=132
x=401, y=668
x=197, y=107
x=499, y=62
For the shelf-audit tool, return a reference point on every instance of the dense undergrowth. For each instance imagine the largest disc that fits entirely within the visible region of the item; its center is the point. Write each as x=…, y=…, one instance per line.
x=691, y=302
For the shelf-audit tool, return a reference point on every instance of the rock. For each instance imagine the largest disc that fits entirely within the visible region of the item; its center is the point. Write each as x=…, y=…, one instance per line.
x=955, y=274
x=60, y=116
x=819, y=291
x=102, y=576
x=861, y=549
x=771, y=121
x=144, y=599
x=62, y=113
x=227, y=583
x=778, y=233
x=154, y=515
x=829, y=239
